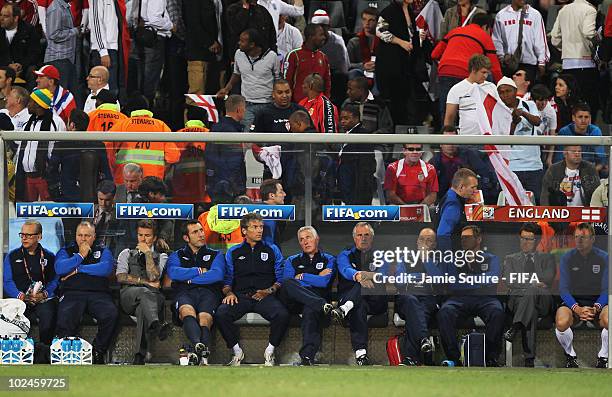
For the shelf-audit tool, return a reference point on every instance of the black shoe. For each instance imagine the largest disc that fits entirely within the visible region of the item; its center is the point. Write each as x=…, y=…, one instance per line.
x=571, y=361
x=306, y=362
x=426, y=345
x=529, y=363
x=338, y=315
x=139, y=359
x=165, y=329
x=193, y=359
x=327, y=309
x=602, y=362
x=492, y=363
x=509, y=335
x=409, y=362
x=202, y=350
x=98, y=357
x=363, y=360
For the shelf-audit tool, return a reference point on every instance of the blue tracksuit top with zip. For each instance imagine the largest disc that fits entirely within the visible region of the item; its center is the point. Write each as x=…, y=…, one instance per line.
x=248, y=269
x=183, y=268
x=581, y=277
x=310, y=267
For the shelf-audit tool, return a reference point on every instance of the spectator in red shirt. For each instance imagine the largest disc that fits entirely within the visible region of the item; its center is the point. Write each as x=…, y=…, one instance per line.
x=306, y=60
x=455, y=50
x=411, y=180
x=322, y=111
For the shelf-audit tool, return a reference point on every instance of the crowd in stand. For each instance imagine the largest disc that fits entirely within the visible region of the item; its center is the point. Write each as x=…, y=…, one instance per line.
x=298, y=68
x=419, y=70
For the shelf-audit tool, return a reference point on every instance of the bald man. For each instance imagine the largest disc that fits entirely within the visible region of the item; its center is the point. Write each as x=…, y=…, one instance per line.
x=416, y=301
x=96, y=81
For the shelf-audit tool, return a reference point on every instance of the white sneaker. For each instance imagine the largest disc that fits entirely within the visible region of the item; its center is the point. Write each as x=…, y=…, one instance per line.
x=204, y=361
x=236, y=360
x=269, y=359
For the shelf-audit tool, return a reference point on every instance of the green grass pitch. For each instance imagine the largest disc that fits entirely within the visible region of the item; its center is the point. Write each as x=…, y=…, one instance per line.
x=255, y=381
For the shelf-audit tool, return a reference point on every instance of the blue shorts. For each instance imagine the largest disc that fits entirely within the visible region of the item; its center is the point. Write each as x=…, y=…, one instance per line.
x=202, y=299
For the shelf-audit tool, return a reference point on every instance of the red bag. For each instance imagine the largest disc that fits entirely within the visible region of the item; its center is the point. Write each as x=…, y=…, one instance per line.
x=394, y=350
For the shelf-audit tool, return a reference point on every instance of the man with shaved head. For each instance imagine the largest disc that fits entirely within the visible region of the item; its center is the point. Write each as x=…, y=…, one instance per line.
x=96, y=80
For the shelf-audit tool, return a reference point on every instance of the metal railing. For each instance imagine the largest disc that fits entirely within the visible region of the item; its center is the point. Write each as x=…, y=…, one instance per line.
x=304, y=138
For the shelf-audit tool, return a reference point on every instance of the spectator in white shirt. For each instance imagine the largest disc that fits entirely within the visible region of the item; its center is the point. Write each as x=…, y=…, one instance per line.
x=460, y=99
x=572, y=34
x=154, y=15
x=17, y=107
x=104, y=37
x=96, y=81
x=288, y=38
x=276, y=8
x=533, y=50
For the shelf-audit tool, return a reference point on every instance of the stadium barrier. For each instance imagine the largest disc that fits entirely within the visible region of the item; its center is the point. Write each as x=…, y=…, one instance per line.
x=331, y=336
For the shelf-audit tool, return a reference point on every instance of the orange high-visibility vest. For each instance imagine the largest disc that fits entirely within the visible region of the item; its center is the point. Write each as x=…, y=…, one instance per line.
x=101, y=120
x=152, y=156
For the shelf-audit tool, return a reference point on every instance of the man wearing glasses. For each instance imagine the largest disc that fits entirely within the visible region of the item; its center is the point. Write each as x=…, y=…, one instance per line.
x=583, y=286
x=528, y=298
x=253, y=275
x=29, y=275
x=96, y=80
x=411, y=180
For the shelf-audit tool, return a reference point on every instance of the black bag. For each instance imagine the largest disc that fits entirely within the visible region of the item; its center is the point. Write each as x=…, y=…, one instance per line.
x=510, y=62
x=145, y=36
x=474, y=349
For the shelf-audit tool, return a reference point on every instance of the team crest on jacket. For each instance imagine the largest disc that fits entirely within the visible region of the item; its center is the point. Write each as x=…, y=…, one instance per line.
x=97, y=254
x=484, y=266
x=421, y=177
x=264, y=256
x=319, y=266
x=206, y=258
x=596, y=269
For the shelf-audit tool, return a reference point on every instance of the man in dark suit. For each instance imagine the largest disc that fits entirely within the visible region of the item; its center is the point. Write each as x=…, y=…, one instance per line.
x=529, y=297
x=21, y=42
x=357, y=164
x=104, y=219
x=132, y=178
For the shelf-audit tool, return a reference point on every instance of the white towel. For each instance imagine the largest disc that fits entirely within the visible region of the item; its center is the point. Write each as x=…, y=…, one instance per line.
x=271, y=156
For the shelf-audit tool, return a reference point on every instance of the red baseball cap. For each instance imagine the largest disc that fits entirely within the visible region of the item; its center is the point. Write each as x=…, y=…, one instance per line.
x=49, y=71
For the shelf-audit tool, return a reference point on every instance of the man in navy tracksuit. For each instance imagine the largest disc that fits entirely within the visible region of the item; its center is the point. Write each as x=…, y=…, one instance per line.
x=197, y=277
x=416, y=302
x=306, y=289
x=27, y=265
x=84, y=268
x=451, y=215
x=583, y=286
x=253, y=275
x=469, y=300
x=359, y=296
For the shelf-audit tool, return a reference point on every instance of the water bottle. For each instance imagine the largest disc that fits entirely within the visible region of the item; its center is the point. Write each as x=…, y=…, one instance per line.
x=65, y=345
x=77, y=345
x=5, y=344
x=17, y=344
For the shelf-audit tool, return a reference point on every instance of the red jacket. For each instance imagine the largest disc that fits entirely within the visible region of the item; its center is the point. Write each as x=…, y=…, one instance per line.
x=608, y=23
x=323, y=112
x=300, y=63
x=455, y=50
